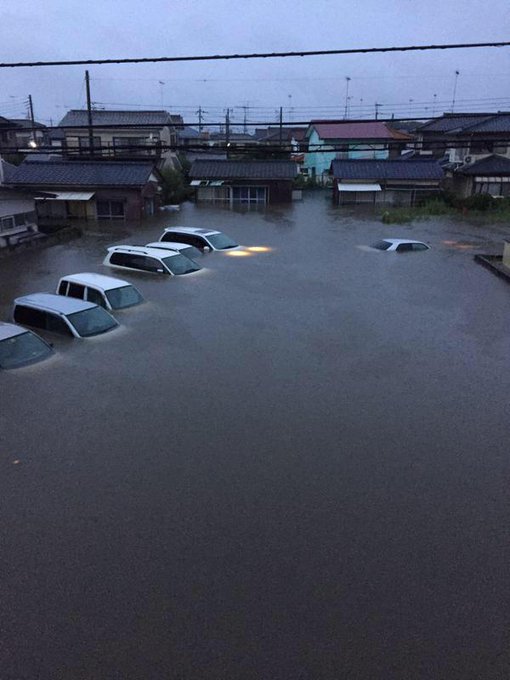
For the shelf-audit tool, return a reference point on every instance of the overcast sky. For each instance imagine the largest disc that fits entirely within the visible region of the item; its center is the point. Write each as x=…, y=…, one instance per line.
x=305, y=87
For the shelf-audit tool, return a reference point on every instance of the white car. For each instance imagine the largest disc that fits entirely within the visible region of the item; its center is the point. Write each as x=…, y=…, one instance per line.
x=203, y=239
x=20, y=347
x=400, y=245
x=63, y=315
x=183, y=248
x=102, y=290
x=155, y=261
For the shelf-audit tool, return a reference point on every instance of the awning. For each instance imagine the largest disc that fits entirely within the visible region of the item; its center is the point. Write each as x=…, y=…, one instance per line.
x=359, y=187
x=196, y=182
x=216, y=183
x=69, y=196
x=206, y=182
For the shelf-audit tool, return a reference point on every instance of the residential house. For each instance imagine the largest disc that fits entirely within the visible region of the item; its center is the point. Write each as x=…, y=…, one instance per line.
x=474, y=149
x=7, y=135
x=27, y=133
x=18, y=219
x=293, y=138
x=91, y=189
x=396, y=181
x=122, y=135
x=243, y=181
x=489, y=175
x=466, y=137
x=328, y=140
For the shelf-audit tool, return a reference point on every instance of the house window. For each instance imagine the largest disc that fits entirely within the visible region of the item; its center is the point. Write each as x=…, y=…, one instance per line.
x=130, y=145
x=500, y=148
x=249, y=194
x=109, y=209
x=7, y=223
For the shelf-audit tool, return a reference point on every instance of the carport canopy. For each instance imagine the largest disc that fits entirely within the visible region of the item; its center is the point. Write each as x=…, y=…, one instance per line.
x=69, y=196
x=358, y=187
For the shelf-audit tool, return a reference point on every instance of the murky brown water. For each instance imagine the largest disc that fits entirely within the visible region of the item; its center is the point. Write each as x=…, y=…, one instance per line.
x=291, y=465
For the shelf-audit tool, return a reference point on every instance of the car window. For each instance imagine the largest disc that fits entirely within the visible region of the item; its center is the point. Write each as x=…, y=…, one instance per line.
x=127, y=296
x=150, y=264
x=29, y=317
x=76, y=290
x=56, y=324
x=222, y=242
x=191, y=252
x=96, y=297
x=404, y=247
x=20, y=350
x=62, y=289
x=122, y=259
x=92, y=321
x=190, y=239
x=419, y=246
x=381, y=245
x=180, y=264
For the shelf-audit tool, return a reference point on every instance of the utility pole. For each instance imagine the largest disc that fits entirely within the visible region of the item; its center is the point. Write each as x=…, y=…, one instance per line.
x=377, y=110
x=347, y=81
x=227, y=130
x=245, y=108
x=200, y=114
x=434, y=105
x=31, y=109
x=89, y=115
x=281, y=127
x=455, y=89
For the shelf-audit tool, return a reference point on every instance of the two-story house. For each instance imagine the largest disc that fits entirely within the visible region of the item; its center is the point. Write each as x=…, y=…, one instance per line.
x=475, y=149
x=330, y=140
x=126, y=135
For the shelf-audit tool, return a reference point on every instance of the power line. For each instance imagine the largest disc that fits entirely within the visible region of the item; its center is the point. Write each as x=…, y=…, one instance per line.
x=254, y=55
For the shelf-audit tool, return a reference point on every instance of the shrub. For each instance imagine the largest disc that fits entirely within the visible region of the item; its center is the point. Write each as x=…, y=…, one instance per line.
x=481, y=202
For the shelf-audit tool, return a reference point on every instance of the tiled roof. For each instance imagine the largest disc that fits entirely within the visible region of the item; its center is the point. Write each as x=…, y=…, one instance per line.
x=359, y=130
x=81, y=173
x=492, y=165
x=209, y=169
x=273, y=134
x=468, y=122
x=498, y=123
x=80, y=117
x=389, y=169
x=26, y=123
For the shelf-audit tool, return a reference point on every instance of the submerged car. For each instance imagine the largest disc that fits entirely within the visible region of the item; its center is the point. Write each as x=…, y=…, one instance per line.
x=183, y=248
x=400, y=245
x=20, y=347
x=63, y=315
x=102, y=290
x=203, y=239
x=153, y=260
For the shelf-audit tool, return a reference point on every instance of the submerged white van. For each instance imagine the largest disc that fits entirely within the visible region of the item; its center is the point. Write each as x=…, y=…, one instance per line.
x=105, y=291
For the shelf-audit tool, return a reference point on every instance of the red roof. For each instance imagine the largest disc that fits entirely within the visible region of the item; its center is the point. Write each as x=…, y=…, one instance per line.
x=346, y=130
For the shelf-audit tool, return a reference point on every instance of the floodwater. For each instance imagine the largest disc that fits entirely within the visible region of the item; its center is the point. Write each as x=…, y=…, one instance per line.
x=291, y=465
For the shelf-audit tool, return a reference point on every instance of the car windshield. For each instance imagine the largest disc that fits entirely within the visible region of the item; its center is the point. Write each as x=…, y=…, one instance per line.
x=180, y=264
x=381, y=245
x=20, y=350
x=221, y=242
x=127, y=296
x=92, y=321
x=191, y=252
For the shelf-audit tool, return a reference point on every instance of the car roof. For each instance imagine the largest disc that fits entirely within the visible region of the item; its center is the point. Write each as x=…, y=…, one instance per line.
x=99, y=280
x=10, y=330
x=55, y=303
x=193, y=230
x=168, y=245
x=396, y=241
x=142, y=250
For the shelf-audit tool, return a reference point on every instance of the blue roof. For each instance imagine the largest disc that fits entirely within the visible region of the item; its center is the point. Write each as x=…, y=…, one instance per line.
x=387, y=169
x=81, y=173
x=55, y=303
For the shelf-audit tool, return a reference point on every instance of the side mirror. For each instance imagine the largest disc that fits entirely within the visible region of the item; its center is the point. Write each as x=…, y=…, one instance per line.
x=207, y=249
